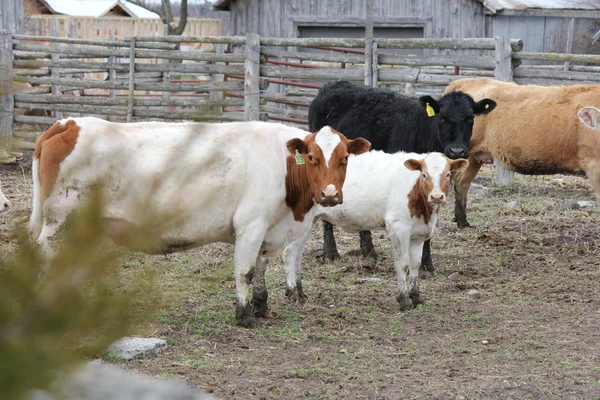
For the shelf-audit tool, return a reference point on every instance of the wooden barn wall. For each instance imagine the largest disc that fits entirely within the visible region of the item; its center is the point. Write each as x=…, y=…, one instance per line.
x=277, y=18
x=11, y=15
x=548, y=34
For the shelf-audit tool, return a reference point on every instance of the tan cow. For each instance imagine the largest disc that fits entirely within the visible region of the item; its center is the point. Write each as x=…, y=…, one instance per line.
x=534, y=130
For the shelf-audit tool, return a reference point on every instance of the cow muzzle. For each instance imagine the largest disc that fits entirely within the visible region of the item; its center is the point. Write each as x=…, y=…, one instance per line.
x=330, y=196
x=4, y=205
x=454, y=152
x=437, y=198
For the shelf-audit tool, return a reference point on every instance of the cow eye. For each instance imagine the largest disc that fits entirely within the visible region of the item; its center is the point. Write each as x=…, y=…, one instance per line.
x=448, y=175
x=311, y=158
x=424, y=176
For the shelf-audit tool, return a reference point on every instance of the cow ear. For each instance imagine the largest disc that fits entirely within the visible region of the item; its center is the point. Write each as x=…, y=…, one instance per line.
x=458, y=164
x=484, y=106
x=413, y=165
x=297, y=144
x=590, y=116
x=358, y=146
x=430, y=105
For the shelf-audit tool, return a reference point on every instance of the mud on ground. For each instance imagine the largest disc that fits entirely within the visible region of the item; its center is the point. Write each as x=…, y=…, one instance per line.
x=532, y=332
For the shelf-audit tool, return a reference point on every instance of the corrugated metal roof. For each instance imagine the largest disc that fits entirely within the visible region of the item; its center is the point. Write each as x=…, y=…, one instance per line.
x=499, y=5
x=94, y=8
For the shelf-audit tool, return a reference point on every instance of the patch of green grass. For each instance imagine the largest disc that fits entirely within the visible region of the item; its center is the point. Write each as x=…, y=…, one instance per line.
x=437, y=318
x=478, y=333
x=200, y=364
x=342, y=310
x=171, y=341
x=335, y=276
x=570, y=365
x=368, y=309
x=254, y=370
x=538, y=318
x=397, y=330
x=475, y=318
x=422, y=308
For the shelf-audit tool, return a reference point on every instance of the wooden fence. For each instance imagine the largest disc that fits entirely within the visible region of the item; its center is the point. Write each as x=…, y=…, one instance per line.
x=241, y=78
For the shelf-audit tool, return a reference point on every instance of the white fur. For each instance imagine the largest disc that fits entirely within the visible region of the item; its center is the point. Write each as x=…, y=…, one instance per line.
x=590, y=116
x=376, y=198
x=4, y=203
x=327, y=141
x=35, y=222
x=209, y=182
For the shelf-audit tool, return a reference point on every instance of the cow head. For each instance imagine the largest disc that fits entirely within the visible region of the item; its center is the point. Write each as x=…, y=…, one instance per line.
x=4, y=203
x=436, y=170
x=454, y=113
x=321, y=159
x=590, y=116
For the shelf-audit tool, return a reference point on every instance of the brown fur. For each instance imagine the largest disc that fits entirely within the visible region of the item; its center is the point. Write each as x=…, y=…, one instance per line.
x=533, y=130
x=51, y=149
x=303, y=183
x=417, y=197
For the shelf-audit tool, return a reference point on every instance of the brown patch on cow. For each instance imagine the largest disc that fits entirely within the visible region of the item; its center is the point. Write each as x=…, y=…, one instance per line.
x=298, y=195
x=417, y=197
x=51, y=149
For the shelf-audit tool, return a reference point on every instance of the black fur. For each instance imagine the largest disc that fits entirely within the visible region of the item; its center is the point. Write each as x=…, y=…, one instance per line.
x=393, y=122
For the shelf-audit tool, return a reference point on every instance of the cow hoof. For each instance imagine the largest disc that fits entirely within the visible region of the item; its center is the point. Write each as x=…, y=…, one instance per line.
x=261, y=310
x=405, y=302
x=426, y=274
x=295, y=296
x=244, y=315
x=416, y=300
x=463, y=224
x=329, y=256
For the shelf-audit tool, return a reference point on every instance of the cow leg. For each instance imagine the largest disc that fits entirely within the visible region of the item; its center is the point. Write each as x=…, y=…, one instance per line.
x=260, y=296
x=330, y=252
x=416, y=253
x=400, y=237
x=462, y=184
x=427, y=269
x=366, y=247
x=247, y=246
x=293, y=259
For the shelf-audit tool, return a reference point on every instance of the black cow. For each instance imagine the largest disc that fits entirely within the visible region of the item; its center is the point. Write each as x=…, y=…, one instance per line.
x=393, y=122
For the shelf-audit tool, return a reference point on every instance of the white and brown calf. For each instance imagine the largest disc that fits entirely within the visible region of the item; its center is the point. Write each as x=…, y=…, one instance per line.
x=252, y=184
x=4, y=203
x=401, y=193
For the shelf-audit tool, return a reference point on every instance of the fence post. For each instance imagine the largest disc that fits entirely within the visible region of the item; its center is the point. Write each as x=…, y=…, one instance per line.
x=6, y=97
x=252, y=78
x=131, y=78
x=503, y=72
x=369, y=45
x=54, y=72
x=220, y=48
x=166, y=75
x=375, y=67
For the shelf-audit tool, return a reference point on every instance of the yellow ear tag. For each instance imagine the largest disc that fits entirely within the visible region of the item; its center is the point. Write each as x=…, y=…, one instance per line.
x=487, y=106
x=299, y=158
x=429, y=109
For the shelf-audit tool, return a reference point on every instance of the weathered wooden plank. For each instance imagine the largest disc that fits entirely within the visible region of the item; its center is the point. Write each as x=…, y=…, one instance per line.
x=75, y=108
x=72, y=82
x=327, y=74
x=334, y=57
x=28, y=119
x=131, y=85
x=458, y=60
x=285, y=112
x=234, y=40
x=282, y=98
x=252, y=78
x=191, y=115
x=191, y=87
x=445, y=43
x=103, y=43
x=558, y=75
x=6, y=97
x=583, y=58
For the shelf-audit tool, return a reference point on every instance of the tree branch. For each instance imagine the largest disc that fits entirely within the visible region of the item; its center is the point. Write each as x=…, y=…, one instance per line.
x=183, y=14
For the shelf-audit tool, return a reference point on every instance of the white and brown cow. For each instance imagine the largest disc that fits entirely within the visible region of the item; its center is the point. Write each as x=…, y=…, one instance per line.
x=253, y=184
x=401, y=193
x=534, y=130
x=4, y=203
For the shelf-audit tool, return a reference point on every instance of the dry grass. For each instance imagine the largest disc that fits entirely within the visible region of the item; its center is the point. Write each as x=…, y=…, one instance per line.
x=532, y=333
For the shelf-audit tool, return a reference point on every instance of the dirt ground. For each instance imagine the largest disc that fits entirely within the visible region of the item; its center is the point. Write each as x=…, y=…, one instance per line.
x=532, y=332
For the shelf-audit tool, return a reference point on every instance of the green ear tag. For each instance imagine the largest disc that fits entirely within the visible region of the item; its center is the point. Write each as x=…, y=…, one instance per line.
x=299, y=158
x=430, y=111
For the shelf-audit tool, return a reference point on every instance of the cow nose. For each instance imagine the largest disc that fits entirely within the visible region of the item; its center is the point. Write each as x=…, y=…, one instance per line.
x=329, y=191
x=457, y=152
x=6, y=206
x=437, y=197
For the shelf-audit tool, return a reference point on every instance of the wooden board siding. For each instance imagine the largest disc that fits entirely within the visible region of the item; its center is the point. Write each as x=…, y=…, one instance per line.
x=12, y=16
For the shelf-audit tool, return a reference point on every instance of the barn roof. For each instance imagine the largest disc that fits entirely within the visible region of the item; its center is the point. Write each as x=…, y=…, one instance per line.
x=94, y=8
x=499, y=5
